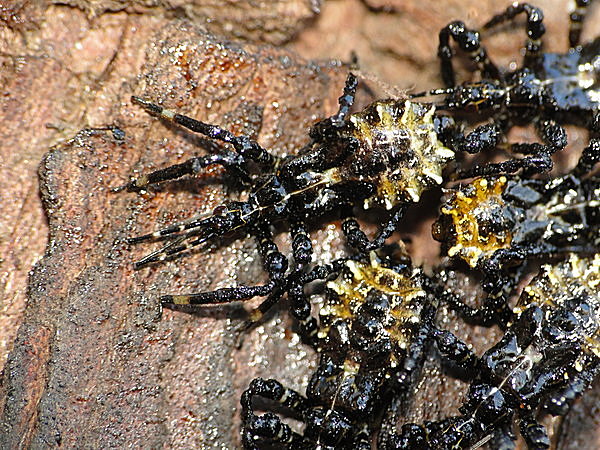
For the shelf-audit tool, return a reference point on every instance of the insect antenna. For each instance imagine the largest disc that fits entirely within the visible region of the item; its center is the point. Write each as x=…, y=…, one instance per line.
x=173, y=229
x=481, y=442
x=432, y=92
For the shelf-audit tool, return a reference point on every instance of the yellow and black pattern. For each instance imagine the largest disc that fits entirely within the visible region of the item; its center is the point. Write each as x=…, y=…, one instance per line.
x=400, y=136
x=557, y=286
x=363, y=281
x=465, y=219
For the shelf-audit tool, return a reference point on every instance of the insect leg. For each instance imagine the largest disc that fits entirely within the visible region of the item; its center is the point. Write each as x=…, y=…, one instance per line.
x=535, y=25
x=301, y=244
x=539, y=157
x=576, y=18
x=358, y=239
x=588, y=159
x=494, y=310
x=276, y=265
x=455, y=350
x=231, y=161
x=561, y=401
x=346, y=100
x=245, y=146
x=274, y=262
x=534, y=434
x=468, y=41
x=329, y=128
x=418, y=348
x=269, y=427
x=225, y=219
x=224, y=295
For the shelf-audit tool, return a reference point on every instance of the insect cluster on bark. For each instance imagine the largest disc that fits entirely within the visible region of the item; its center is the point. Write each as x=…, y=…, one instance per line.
x=377, y=317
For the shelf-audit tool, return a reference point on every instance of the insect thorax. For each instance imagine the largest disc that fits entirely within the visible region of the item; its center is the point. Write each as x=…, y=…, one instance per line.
x=398, y=151
x=393, y=299
x=475, y=221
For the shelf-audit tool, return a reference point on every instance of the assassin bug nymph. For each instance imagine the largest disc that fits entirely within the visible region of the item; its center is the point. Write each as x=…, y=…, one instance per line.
x=374, y=325
x=496, y=224
x=557, y=88
x=549, y=355
x=383, y=156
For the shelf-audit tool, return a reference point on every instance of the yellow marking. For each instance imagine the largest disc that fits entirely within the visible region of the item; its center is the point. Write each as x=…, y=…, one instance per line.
x=360, y=280
x=389, y=126
x=255, y=315
x=180, y=299
x=556, y=284
x=469, y=242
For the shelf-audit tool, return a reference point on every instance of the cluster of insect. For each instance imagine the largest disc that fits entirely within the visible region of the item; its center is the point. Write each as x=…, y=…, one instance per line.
x=377, y=320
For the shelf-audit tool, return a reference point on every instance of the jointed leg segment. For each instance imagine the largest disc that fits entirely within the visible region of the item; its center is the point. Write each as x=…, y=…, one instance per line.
x=246, y=147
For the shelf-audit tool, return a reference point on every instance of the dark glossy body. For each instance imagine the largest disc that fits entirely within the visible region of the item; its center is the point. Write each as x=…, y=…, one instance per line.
x=375, y=322
x=548, y=356
x=548, y=89
x=384, y=156
x=561, y=86
x=494, y=224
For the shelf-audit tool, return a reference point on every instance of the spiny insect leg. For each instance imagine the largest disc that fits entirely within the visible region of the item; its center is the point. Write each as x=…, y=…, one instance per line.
x=345, y=101
x=468, y=41
x=358, y=239
x=200, y=223
x=301, y=244
x=535, y=25
x=329, y=128
x=245, y=146
x=274, y=262
x=539, y=157
x=494, y=309
x=231, y=161
x=269, y=426
x=225, y=218
x=455, y=350
x=257, y=313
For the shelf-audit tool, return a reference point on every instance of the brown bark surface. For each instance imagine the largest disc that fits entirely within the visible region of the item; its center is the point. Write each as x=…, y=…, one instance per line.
x=94, y=363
